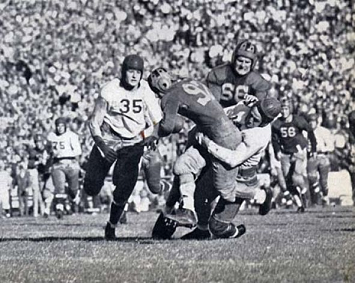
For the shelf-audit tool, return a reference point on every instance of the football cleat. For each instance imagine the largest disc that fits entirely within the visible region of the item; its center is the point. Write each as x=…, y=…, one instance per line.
x=197, y=234
x=164, y=228
x=267, y=205
x=184, y=217
x=241, y=231
x=109, y=232
x=59, y=214
x=301, y=209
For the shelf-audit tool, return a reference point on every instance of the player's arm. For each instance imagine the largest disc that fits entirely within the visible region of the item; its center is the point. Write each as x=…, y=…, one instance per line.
x=260, y=86
x=170, y=114
x=275, y=141
x=95, y=123
x=76, y=146
x=231, y=157
x=212, y=83
x=311, y=136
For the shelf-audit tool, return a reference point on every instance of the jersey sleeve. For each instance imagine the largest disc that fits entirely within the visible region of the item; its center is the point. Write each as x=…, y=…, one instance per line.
x=304, y=125
x=170, y=107
x=250, y=145
x=75, y=144
x=260, y=85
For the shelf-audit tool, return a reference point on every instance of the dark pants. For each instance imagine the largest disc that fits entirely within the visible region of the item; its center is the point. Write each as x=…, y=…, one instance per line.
x=125, y=175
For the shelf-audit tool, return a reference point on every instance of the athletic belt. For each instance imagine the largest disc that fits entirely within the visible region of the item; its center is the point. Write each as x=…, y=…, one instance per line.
x=58, y=159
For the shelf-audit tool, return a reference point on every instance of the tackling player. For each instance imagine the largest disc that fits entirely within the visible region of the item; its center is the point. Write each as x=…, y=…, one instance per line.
x=65, y=149
x=290, y=146
x=117, y=126
x=256, y=132
x=237, y=79
x=195, y=101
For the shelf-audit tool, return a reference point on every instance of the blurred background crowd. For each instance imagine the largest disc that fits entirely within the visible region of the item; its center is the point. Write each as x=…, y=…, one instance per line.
x=55, y=55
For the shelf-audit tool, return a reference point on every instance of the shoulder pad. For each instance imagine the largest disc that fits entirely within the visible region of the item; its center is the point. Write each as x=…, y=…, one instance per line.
x=109, y=88
x=258, y=82
x=219, y=74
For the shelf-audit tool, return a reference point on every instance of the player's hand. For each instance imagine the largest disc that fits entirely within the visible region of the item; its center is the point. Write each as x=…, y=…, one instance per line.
x=202, y=139
x=151, y=142
x=278, y=156
x=109, y=154
x=250, y=100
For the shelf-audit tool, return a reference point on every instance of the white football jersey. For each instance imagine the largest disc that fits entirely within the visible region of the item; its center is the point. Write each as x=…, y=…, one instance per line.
x=66, y=145
x=130, y=112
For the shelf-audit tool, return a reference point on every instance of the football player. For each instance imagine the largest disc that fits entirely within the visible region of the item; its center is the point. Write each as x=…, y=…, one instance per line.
x=117, y=126
x=318, y=165
x=290, y=146
x=194, y=100
x=37, y=168
x=238, y=79
x=65, y=150
x=256, y=132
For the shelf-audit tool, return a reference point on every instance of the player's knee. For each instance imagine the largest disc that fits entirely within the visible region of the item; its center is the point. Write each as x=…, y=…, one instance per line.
x=298, y=180
x=92, y=187
x=218, y=228
x=154, y=187
x=312, y=178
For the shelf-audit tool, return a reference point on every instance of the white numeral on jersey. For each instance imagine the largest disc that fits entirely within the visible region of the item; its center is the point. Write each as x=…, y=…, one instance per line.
x=288, y=132
x=230, y=92
x=193, y=88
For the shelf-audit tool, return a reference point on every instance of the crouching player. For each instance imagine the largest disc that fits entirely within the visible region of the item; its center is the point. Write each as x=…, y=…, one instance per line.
x=256, y=132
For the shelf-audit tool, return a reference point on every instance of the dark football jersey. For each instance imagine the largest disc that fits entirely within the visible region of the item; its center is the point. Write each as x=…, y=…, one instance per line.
x=288, y=136
x=193, y=100
x=229, y=88
x=38, y=159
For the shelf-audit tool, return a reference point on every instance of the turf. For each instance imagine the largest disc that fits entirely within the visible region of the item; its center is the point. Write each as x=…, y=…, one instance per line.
x=317, y=246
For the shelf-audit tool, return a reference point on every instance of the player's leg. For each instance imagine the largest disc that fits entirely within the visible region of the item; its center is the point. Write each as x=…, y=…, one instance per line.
x=125, y=177
x=312, y=172
x=48, y=195
x=220, y=223
x=96, y=171
x=299, y=177
x=324, y=168
x=58, y=176
x=165, y=227
x=205, y=194
x=72, y=175
x=186, y=168
x=34, y=184
x=152, y=169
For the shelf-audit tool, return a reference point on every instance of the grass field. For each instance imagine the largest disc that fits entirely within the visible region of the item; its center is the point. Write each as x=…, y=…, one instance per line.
x=317, y=246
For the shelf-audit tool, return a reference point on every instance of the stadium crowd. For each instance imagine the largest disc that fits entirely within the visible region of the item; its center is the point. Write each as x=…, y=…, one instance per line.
x=55, y=55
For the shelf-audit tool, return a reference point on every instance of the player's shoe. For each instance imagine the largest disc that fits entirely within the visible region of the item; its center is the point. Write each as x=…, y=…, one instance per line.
x=184, y=217
x=301, y=209
x=240, y=231
x=267, y=205
x=164, y=228
x=59, y=214
x=123, y=218
x=110, y=232
x=197, y=234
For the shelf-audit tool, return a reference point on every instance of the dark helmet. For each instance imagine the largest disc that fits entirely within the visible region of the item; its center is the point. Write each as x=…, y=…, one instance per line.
x=312, y=117
x=132, y=62
x=60, y=120
x=159, y=80
x=245, y=49
x=287, y=102
x=269, y=108
x=38, y=138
